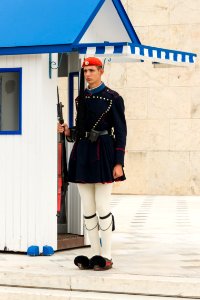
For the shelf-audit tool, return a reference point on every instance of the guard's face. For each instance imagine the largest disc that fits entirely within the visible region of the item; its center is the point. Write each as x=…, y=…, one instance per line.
x=93, y=74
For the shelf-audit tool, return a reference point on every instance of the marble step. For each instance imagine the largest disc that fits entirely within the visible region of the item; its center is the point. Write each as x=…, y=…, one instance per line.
x=104, y=282
x=17, y=293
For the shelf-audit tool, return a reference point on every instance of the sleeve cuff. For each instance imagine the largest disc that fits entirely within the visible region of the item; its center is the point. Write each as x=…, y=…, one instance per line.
x=119, y=156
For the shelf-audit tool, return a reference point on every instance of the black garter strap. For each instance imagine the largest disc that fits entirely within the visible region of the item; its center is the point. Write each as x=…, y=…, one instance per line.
x=112, y=223
x=90, y=217
x=102, y=218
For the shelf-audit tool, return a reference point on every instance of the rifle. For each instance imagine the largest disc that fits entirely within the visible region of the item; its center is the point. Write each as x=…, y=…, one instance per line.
x=59, y=109
x=62, y=167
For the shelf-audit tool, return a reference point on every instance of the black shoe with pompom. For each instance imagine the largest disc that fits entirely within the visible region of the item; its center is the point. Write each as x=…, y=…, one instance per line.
x=82, y=262
x=100, y=263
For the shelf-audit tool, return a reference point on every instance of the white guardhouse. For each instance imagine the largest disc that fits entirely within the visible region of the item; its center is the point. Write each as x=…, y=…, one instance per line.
x=32, y=35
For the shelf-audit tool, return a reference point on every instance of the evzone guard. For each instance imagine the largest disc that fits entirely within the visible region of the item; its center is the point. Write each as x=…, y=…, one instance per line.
x=97, y=160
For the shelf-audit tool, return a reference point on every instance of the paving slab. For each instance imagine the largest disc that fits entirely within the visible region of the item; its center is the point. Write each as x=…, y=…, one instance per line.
x=13, y=293
x=156, y=252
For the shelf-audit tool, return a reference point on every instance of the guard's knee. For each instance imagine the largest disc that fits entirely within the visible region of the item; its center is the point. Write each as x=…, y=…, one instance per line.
x=112, y=223
x=91, y=222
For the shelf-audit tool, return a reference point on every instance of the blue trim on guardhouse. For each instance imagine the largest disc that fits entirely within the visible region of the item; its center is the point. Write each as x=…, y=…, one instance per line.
x=126, y=21
x=18, y=131
x=89, y=21
x=72, y=75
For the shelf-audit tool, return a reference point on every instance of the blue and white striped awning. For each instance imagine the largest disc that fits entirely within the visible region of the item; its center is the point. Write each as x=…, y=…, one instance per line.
x=137, y=52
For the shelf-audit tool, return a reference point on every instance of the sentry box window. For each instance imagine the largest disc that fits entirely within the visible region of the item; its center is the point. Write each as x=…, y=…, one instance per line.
x=10, y=101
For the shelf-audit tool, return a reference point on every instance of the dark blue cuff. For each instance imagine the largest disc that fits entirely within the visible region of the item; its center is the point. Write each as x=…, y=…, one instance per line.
x=119, y=156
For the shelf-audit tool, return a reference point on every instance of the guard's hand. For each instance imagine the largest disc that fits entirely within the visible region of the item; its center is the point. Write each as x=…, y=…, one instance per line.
x=60, y=128
x=117, y=171
x=63, y=128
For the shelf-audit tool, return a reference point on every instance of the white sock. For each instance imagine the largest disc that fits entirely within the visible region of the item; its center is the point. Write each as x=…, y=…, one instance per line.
x=92, y=228
x=87, y=193
x=102, y=197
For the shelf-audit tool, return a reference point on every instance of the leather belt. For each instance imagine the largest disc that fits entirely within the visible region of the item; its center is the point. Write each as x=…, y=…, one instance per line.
x=103, y=132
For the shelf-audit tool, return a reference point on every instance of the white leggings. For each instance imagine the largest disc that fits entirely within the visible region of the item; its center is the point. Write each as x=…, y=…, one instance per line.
x=96, y=197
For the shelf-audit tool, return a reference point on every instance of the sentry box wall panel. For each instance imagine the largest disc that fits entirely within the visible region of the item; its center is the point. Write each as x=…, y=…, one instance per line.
x=28, y=172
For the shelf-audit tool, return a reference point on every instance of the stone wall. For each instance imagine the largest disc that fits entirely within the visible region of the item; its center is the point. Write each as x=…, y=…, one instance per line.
x=162, y=102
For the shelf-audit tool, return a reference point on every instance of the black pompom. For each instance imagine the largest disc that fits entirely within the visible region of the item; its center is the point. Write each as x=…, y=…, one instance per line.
x=83, y=260
x=98, y=260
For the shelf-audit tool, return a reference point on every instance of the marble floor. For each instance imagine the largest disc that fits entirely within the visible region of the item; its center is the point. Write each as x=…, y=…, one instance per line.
x=156, y=252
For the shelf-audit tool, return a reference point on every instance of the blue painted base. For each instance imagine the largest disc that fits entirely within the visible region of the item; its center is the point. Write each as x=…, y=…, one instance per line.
x=33, y=251
x=48, y=250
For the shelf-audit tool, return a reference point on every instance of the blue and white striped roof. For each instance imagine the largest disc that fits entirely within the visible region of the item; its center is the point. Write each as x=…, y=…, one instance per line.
x=137, y=52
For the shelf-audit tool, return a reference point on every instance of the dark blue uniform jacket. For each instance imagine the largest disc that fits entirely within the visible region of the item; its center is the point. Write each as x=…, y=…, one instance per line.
x=93, y=162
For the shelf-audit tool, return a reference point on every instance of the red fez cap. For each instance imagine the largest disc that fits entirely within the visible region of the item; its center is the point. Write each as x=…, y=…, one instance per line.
x=92, y=61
